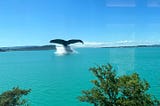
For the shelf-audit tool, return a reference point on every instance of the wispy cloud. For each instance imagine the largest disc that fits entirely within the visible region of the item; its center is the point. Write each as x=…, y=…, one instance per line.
x=116, y=43
x=120, y=3
x=153, y=3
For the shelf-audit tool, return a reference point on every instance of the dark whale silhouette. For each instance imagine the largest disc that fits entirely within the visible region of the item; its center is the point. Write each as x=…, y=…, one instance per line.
x=66, y=43
x=65, y=49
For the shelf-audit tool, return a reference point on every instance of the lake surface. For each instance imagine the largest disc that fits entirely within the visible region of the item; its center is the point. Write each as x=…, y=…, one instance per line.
x=58, y=80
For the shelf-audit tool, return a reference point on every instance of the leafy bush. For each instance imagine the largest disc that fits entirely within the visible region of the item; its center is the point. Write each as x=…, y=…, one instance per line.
x=14, y=97
x=111, y=90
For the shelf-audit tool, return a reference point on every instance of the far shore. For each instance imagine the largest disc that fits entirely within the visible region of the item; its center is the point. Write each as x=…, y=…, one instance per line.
x=27, y=48
x=53, y=47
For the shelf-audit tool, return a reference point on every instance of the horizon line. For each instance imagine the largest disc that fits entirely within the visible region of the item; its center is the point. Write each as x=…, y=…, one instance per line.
x=99, y=44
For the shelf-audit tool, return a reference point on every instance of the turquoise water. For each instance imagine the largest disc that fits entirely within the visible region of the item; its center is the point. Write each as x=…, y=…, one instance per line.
x=58, y=80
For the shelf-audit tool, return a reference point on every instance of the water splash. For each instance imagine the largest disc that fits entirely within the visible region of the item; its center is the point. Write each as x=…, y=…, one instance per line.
x=61, y=50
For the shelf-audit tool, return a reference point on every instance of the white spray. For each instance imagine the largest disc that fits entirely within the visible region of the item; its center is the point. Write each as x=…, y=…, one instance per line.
x=63, y=50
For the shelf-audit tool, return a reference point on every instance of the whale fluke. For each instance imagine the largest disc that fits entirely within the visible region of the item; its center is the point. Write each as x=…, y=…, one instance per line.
x=65, y=49
x=66, y=43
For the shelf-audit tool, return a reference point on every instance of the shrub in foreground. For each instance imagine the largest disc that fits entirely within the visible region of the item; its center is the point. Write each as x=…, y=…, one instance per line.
x=111, y=90
x=14, y=97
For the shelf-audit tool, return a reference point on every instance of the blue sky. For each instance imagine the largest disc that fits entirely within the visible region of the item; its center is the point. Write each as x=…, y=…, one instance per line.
x=35, y=22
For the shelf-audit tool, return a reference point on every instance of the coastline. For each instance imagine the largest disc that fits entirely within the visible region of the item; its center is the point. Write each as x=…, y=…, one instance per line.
x=27, y=48
x=53, y=47
x=134, y=46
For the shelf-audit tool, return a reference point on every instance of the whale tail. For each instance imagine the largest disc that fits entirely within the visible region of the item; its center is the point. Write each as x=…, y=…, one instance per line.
x=65, y=49
x=66, y=43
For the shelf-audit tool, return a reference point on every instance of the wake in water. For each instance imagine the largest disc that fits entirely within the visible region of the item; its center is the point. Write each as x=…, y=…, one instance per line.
x=64, y=50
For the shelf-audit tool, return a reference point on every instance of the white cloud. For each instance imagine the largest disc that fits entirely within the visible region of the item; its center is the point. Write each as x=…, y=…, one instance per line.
x=120, y=3
x=153, y=3
x=116, y=43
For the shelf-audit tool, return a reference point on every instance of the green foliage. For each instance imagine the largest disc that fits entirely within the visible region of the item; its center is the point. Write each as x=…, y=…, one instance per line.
x=13, y=97
x=110, y=90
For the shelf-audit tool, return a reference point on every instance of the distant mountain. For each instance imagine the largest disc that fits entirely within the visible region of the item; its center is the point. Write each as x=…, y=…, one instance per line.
x=136, y=46
x=27, y=48
x=1, y=50
x=53, y=47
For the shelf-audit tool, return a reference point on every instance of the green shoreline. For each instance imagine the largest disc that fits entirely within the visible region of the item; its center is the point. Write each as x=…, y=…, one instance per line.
x=27, y=48
x=135, y=46
x=53, y=47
